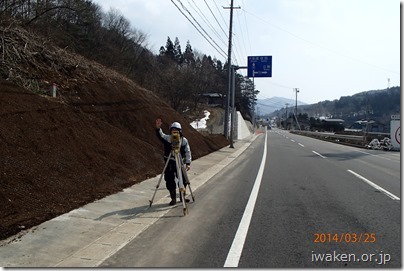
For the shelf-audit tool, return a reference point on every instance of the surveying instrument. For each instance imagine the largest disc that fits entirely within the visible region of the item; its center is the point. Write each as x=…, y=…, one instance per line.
x=181, y=171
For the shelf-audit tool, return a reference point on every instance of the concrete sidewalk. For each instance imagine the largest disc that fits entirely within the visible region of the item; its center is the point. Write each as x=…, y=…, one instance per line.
x=87, y=236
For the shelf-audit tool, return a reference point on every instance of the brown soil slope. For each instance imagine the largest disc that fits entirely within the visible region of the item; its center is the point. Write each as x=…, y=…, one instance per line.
x=94, y=139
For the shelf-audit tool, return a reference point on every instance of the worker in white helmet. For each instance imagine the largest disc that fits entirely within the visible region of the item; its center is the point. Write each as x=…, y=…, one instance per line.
x=171, y=171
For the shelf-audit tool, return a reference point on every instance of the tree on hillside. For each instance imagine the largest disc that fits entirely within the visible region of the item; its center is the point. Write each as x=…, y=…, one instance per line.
x=247, y=97
x=195, y=74
x=189, y=57
x=377, y=105
x=177, y=52
x=179, y=77
x=169, y=50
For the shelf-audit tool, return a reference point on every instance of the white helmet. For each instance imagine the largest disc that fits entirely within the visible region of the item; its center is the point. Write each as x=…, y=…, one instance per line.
x=176, y=125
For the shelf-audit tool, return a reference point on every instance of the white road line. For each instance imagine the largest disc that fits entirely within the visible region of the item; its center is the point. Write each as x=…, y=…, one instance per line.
x=378, y=156
x=301, y=145
x=319, y=154
x=233, y=257
x=387, y=193
x=292, y=140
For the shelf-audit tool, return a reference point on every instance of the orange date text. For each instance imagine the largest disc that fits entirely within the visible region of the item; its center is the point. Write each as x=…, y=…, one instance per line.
x=344, y=238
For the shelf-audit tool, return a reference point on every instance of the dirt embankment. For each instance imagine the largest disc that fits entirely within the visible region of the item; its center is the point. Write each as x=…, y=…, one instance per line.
x=94, y=139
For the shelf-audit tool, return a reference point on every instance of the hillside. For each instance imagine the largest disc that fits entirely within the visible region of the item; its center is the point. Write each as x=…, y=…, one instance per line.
x=269, y=105
x=376, y=105
x=93, y=139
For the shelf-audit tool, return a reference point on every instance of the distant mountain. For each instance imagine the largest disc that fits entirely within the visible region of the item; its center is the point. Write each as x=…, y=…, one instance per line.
x=269, y=105
x=376, y=105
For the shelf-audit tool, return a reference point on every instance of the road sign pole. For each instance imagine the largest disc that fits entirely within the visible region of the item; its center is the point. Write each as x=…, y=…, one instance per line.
x=253, y=114
x=258, y=66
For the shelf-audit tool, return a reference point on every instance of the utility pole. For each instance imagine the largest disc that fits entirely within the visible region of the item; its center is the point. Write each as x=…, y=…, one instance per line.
x=297, y=91
x=297, y=122
x=226, y=117
x=286, y=122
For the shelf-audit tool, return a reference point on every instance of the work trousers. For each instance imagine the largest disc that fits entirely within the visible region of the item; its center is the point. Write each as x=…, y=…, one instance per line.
x=170, y=174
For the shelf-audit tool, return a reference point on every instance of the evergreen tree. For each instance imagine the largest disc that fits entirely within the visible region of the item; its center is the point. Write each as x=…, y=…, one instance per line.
x=189, y=57
x=219, y=65
x=177, y=51
x=162, y=51
x=170, y=50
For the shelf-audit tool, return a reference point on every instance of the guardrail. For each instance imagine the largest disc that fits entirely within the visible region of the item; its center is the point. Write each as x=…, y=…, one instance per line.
x=355, y=140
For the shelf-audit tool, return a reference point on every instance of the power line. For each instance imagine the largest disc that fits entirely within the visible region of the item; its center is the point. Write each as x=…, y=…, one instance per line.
x=221, y=15
x=207, y=22
x=202, y=15
x=235, y=52
x=223, y=54
x=242, y=36
x=183, y=9
x=319, y=46
x=225, y=34
x=200, y=25
x=279, y=85
x=246, y=27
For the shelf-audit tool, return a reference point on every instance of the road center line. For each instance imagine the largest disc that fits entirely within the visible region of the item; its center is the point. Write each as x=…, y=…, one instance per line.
x=301, y=145
x=233, y=257
x=378, y=156
x=387, y=193
x=319, y=154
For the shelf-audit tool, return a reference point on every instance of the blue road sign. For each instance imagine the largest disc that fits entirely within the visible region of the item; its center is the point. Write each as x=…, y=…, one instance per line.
x=259, y=66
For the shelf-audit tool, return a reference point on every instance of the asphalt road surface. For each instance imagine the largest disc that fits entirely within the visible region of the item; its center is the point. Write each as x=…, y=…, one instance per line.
x=313, y=204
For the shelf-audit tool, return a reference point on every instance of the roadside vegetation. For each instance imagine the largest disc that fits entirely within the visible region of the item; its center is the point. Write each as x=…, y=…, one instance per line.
x=177, y=75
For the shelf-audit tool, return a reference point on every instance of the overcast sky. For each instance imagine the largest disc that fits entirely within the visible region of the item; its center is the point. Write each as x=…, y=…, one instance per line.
x=325, y=48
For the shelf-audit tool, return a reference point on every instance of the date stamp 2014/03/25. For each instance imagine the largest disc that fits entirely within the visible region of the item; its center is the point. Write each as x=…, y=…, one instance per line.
x=344, y=238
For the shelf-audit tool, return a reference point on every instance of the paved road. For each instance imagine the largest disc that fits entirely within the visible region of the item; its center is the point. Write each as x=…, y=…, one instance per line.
x=315, y=208
x=310, y=204
x=314, y=200
x=203, y=238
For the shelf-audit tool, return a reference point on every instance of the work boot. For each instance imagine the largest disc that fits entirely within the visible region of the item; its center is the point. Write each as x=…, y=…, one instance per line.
x=173, y=196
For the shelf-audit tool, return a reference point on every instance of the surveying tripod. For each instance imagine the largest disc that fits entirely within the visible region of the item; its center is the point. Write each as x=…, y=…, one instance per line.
x=181, y=171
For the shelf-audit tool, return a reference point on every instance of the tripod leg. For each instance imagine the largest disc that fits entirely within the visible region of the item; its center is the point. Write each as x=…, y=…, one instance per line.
x=187, y=178
x=187, y=181
x=181, y=183
x=192, y=194
x=161, y=177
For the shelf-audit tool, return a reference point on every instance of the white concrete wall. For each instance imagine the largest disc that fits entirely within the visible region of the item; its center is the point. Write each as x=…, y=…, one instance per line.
x=242, y=128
